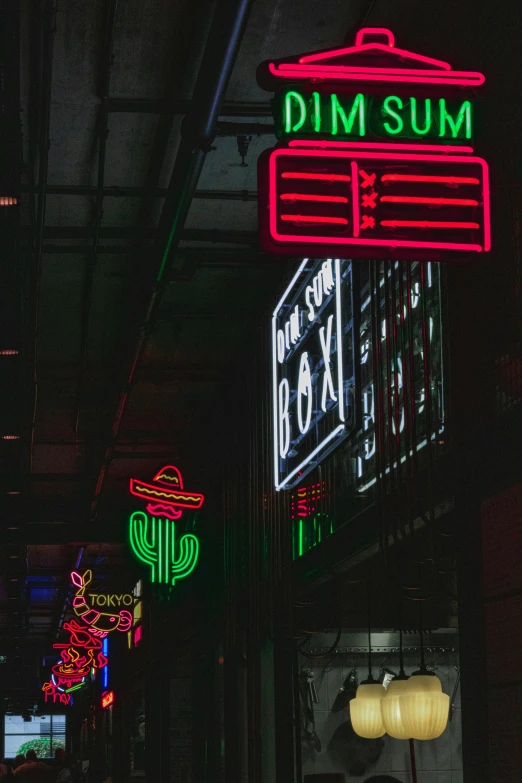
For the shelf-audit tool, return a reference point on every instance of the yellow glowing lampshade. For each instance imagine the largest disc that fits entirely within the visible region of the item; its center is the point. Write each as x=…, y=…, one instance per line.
x=365, y=710
x=391, y=709
x=424, y=708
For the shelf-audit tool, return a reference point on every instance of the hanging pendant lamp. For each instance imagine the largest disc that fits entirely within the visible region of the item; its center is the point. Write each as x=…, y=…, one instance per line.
x=390, y=704
x=365, y=709
x=424, y=707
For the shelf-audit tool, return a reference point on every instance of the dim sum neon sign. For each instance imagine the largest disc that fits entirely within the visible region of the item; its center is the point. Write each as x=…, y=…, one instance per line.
x=388, y=174
x=154, y=539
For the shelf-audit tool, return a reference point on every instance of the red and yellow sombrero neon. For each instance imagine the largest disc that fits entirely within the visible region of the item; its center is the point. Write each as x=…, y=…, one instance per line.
x=166, y=496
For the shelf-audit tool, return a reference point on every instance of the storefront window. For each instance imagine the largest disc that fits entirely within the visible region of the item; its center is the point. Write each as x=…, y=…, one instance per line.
x=43, y=734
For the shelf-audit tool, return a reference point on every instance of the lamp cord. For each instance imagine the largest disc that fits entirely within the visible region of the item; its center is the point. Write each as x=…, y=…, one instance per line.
x=422, y=661
x=370, y=677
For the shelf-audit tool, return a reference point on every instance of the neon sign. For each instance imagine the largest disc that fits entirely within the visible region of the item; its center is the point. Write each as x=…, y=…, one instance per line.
x=53, y=695
x=107, y=699
x=99, y=623
x=311, y=350
x=315, y=389
x=73, y=668
x=361, y=172
x=362, y=115
x=154, y=539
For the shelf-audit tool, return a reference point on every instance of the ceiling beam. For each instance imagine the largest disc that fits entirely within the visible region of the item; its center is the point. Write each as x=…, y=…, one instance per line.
x=213, y=235
x=115, y=191
x=73, y=533
x=155, y=106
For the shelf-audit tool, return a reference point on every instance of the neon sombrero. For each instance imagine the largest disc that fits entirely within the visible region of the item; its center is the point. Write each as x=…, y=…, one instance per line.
x=166, y=496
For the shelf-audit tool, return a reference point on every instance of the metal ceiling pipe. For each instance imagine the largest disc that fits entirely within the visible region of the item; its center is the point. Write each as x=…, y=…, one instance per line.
x=198, y=131
x=199, y=127
x=155, y=106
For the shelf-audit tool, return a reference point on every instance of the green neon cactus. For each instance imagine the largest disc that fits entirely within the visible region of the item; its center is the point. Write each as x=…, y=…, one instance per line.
x=153, y=541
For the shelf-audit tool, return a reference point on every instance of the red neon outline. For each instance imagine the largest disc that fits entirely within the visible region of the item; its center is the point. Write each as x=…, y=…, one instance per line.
x=374, y=31
x=462, y=202
x=324, y=177
x=355, y=198
x=377, y=145
x=276, y=236
x=313, y=197
x=459, y=78
x=429, y=224
x=313, y=219
x=358, y=48
x=107, y=699
x=198, y=498
x=354, y=69
x=357, y=69
x=429, y=178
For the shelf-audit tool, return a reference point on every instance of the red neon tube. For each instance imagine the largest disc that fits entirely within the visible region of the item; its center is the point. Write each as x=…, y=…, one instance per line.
x=355, y=198
x=429, y=224
x=462, y=202
x=311, y=58
x=460, y=78
x=378, y=145
x=429, y=178
x=323, y=177
x=312, y=197
x=314, y=219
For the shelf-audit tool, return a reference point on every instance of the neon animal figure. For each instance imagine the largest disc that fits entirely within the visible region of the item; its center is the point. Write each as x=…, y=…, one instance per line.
x=99, y=623
x=80, y=637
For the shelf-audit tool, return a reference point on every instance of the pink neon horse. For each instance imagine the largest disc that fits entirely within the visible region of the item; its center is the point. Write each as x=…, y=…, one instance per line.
x=100, y=623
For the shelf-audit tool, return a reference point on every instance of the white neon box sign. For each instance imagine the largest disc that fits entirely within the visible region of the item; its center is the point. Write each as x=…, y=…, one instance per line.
x=312, y=355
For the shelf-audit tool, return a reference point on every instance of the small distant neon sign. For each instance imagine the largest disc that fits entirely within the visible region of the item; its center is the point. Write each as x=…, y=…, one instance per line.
x=153, y=539
x=107, y=699
x=53, y=695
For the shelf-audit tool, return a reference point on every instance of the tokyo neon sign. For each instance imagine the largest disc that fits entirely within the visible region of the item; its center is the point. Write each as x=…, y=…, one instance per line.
x=99, y=623
x=383, y=175
x=154, y=539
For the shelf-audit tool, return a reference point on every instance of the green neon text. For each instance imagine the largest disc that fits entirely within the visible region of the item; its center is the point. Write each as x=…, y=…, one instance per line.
x=427, y=115
x=294, y=98
x=455, y=125
x=348, y=122
x=387, y=110
x=153, y=541
x=359, y=115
